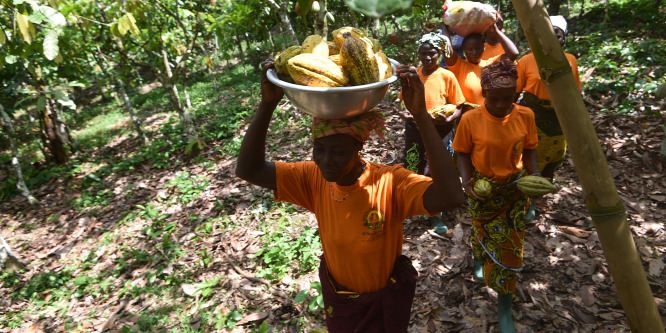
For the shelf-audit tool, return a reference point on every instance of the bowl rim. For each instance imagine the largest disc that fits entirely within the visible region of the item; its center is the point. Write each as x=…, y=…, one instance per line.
x=272, y=76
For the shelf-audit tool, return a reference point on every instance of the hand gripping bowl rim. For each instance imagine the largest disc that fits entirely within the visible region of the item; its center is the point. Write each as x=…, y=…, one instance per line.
x=272, y=76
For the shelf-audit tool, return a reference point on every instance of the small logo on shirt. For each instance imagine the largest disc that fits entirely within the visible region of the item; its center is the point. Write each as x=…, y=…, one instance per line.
x=374, y=220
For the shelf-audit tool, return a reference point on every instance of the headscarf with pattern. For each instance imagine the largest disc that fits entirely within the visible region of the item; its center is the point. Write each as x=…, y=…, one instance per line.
x=500, y=74
x=358, y=127
x=438, y=41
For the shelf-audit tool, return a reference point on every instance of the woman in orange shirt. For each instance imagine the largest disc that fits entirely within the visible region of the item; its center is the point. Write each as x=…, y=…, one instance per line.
x=497, y=143
x=367, y=284
x=468, y=70
x=552, y=144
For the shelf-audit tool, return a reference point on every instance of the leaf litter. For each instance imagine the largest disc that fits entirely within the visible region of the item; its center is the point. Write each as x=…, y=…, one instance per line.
x=565, y=286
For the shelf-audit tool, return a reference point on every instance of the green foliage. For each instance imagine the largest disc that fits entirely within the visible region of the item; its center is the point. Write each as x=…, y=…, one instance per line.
x=39, y=283
x=187, y=187
x=378, y=8
x=281, y=252
x=413, y=158
x=316, y=301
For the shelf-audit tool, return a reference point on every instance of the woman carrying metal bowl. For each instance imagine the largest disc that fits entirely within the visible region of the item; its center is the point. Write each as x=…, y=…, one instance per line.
x=367, y=284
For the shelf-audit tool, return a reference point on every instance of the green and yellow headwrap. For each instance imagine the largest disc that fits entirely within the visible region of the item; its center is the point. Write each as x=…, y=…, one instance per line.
x=440, y=42
x=359, y=127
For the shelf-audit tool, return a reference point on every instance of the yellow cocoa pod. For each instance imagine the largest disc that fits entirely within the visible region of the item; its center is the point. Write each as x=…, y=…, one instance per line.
x=535, y=186
x=283, y=57
x=447, y=110
x=315, y=44
x=384, y=66
x=338, y=37
x=376, y=46
x=482, y=188
x=336, y=59
x=358, y=61
x=316, y=71
x=332, y=48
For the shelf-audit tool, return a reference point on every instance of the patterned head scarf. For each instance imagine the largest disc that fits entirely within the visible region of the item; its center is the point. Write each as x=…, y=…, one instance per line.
x=359, y=127
x=500, y=74
x=440, y=42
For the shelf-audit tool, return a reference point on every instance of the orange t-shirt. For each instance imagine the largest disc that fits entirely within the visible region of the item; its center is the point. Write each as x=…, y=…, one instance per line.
x=469, y=78
x=530, y=81
x=492, y=51
x=441, y=88
x=362, y=235
x=496, y=144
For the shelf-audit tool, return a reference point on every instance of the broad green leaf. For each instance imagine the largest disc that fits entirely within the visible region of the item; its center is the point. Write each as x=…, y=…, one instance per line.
x=378, y=8
x=11, y=59
x=2, y=61
x=3, y=37
x=53, y=15
x=63, y=99
x=123, y=25
x=114, y=30
x=132, y=24
x=41, y=103
x=76, y=84
x=51, y=44
x=37, y=17
x=301, y=296
x=23, y=23
x=58, y=59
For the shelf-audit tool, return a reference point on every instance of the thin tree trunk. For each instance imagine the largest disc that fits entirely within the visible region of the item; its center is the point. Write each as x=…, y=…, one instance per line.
x=120, y=87
x=8, y=261
x=50, y=136
x=601, y=196
x=172, y=93
x=20, y=182
x=321, y=26
x=395, y=22
x=282, y=13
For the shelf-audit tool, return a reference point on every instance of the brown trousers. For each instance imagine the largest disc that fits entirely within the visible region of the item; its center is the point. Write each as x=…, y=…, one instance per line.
x=386, y=310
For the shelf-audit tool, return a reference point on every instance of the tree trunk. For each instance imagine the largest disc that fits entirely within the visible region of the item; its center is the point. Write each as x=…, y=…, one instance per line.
x=395, y=22
x=8, y=261
x=20, y=182
x=50, y=136
x=554, y=7
x=601, y=197
x=172, y=93
x=120, y=87
x=282, y=13
x=321, y=25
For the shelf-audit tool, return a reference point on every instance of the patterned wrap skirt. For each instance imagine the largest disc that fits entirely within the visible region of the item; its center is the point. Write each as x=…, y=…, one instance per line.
x=552, y=144
x=498, y=232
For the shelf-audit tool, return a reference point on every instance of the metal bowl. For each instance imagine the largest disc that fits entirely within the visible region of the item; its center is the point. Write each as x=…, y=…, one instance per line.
x=334, y=103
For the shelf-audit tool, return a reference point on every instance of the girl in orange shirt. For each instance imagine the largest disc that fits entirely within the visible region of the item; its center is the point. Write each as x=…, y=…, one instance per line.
x=497, y=143
x=468, y=70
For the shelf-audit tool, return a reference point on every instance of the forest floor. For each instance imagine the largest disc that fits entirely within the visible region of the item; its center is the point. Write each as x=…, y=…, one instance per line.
x=173, y=248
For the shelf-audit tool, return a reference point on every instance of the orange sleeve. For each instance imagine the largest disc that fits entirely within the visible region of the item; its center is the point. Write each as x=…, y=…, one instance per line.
x=462, y=142
x=456, y=96
x=531, y=138
x=293, y=183
x=574, y=68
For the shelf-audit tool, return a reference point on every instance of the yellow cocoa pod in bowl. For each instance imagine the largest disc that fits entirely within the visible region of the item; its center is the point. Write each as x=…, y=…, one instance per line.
x=358, y=61
x=482, y=188
x=316, y=71
x=283, y=57
x=315, y=44
x=384, y=66
x=338, y=37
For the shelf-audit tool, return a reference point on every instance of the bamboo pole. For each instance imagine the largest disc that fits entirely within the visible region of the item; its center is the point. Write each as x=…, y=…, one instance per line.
x=601, y=196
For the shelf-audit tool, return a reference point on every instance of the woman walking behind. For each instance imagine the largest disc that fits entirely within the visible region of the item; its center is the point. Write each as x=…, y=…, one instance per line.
x=552, y=144
x=497, y=143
